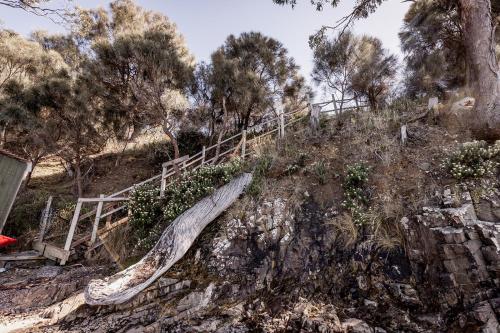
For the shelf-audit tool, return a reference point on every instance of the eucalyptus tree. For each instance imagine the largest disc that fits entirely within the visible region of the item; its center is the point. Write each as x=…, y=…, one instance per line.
x=357, y=66
x=478, y=29
x=141, y=68
x=335, y=61
x=72, y=105
x=248, y=78
x=433, y=43
x=374, y=71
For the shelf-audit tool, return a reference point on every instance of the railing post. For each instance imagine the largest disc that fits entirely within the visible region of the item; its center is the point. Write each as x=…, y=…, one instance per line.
x=203, y=155
x=282, y=124
x=72, y=228
x=357, y=103
x=45, y=219
x=96, y=221
x=334, y=103
x=314, y=112
x=243, y=144
x=163, y=183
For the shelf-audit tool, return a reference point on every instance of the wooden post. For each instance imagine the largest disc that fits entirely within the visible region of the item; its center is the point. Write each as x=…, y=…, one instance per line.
x=282, y=123
x=404, y=134
x=203, y=155
x=45, y=219
x=334, y=103
x=96, y=221
x=356, y=100
x=163, y=185
x=314, y=117
x=72, y=228
x=244, y=143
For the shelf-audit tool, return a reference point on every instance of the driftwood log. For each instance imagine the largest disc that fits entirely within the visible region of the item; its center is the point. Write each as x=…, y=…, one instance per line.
x=172, y=246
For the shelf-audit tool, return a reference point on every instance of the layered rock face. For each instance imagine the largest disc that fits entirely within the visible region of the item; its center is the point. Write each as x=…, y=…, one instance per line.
x=279, y=265
x=456, y=257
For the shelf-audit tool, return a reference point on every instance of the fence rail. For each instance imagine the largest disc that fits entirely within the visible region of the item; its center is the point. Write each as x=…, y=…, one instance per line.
x=238, y=144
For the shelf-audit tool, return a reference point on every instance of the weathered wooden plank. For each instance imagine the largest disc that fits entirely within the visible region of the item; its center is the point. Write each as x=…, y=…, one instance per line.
x=51, y=252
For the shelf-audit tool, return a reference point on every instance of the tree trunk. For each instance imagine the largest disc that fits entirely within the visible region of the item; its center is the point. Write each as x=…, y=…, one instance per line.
x=479, y=40
x=3, y=135
x=167, y=129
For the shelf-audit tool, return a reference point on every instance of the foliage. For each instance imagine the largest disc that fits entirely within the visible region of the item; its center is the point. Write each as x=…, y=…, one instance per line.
x=374, y=72
x=190, y=143
x=474, y=159
x=131, y=39
x=432, y=40
x=262, y=166
x=350, y=65
x=150, y=214
x=355, y=192
x=248, y=76
x=335, y=62
x=320, y=171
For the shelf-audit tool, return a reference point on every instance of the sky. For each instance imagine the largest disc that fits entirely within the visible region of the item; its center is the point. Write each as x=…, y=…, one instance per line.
x=205, y=24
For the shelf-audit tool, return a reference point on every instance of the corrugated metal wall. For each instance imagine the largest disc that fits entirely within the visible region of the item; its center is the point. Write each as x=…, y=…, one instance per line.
x=11, y=175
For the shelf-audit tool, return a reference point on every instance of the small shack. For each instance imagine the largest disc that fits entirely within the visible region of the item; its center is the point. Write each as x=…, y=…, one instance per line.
x=13, y=170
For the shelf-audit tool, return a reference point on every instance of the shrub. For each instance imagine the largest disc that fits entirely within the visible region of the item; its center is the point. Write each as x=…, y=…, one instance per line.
x=190, y=142
x=150, y=214
x=261, y=168
x=320, y=171
x=473, y=160
x=354, y=192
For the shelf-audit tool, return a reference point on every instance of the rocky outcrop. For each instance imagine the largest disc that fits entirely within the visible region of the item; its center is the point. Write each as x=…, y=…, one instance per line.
x=455, y=260
x=280, y=265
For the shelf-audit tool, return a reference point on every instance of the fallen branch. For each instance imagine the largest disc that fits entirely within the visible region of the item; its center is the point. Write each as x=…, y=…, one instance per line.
x=172, y=246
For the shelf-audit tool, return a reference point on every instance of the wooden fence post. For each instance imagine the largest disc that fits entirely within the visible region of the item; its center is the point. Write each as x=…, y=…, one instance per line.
x=203, y=155
x=72, y=228
x=282, y=124
x=243, y=144
x=314, y=117
x=96, y=221
x=45, y=219
x=404, y=134
x=163, y=185
x=356, y=100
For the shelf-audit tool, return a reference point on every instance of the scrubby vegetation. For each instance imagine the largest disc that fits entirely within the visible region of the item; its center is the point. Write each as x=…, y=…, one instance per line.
x=355, y=192
x=473, y=159
x=150, y=213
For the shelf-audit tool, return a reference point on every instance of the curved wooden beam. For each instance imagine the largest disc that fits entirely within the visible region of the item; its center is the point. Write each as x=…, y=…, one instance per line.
x=172, y=246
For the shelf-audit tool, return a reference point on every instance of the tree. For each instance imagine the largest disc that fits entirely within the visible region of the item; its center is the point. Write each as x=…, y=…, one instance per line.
x=335, y=62
x=70, y=101
x=374, y=71
x=24, y=63
x=248, y=77
x=432, y=39
x=142, y=68
x=39, y=7
x=479, y=40
x=36, y=132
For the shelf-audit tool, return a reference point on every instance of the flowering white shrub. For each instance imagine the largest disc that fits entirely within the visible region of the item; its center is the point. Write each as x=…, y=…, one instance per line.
x=354, y=192
x=150, y=214
x=473, y=160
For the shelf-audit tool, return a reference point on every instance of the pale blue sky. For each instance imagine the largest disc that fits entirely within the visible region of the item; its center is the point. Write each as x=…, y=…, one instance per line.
x=206, y=23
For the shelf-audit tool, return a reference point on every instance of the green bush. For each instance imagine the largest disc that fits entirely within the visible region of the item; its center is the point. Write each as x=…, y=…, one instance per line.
x=355, y=197
x=320, y=171
x=150, y=214
x=474, y=159
x=190, y=143
x=261, y=168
